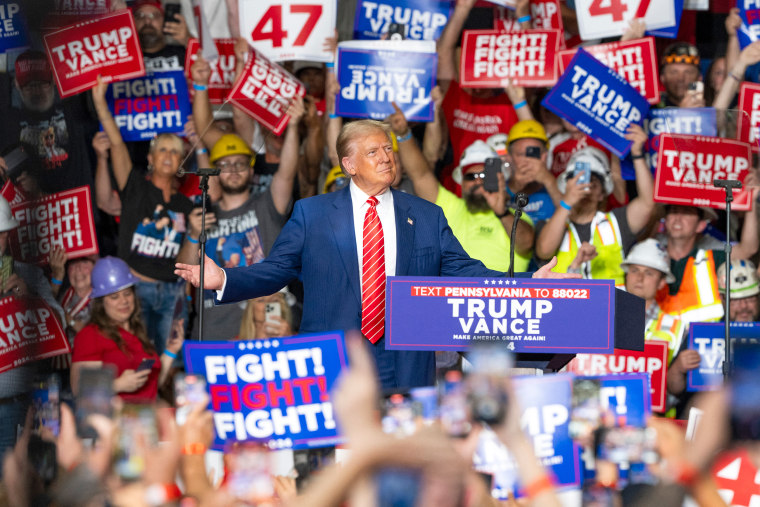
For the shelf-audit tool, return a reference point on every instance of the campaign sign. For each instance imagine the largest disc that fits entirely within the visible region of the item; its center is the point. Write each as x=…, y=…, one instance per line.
x=545, y=403
x=687, y=166
x=699, y=121
x=264, y=90
x=709, y=340
x=222, y=69
x=653, y=361
x=372, y=74
x=610, y=18
x=670, y=32
x=12, y=25
x=598, y=101
x=106, y=46
x=736, y=477
x=421, y=19
x=62, y=219
x=526, y=314
x=491, y=59
x=12, y=193
x=275, y=391
x=749, y=115
x=146, y=106
x=29, y=331
x=68, y=12
x=635, y=60
x=749, y=31
x=627, y=396
x=288, y=29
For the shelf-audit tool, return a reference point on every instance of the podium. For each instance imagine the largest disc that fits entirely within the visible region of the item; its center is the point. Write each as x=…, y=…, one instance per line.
x=545, y=322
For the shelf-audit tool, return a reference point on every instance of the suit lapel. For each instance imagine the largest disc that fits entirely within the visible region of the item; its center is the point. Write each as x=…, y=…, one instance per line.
x=404, y=233
x=341, y=217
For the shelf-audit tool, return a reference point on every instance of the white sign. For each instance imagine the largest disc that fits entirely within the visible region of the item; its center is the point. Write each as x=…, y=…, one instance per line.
x=288, y=29
x=697, y=5
x=610, y=18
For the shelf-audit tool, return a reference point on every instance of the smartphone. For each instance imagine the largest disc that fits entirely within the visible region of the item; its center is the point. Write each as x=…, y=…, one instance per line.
x=491, y=174
x=146, y=364
x=170, y=12
x=42, y=457
x=6, y=268
x=454, y=410
x=398, y=487
x=584, y=169
x=628, y=444
x=745, y=392
x=248, y=477
x=586, y=409
x=14, y=160
x=533, y=152
x=189, y=390
x=486, y=396
x=273, y=310
x=46, y=404
x=697, y=86
x=308, y=462
x=198, y=202
x=138, y=429
x=95, y=395
x=396, y=31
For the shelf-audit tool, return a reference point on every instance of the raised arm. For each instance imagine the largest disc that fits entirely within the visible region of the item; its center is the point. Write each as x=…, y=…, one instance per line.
x=105, y=197
x=120, y=161
x=415, y=165
x=282, y=182
x=200, y=72
x=640, y=209
x=748, y=242
x=447, y=65
x=314, y=149
x=245, y=126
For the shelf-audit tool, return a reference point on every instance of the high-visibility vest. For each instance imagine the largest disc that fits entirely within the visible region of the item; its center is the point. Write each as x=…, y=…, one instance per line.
x=697, y=299
x=668, y=328
x=609, y=248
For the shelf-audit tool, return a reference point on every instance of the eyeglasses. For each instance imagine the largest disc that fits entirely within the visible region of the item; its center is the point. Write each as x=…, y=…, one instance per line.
x=150, y=16
x=474, y=176
x=233, y=167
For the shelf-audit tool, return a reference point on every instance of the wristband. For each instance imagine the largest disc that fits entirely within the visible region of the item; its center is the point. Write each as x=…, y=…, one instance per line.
x=199, y=87
x=405, y=137
x=687, y=475
x=332, y=116
x=201, y=151
x=194, y=449
x=524, y=19
x=330, y=65
x=506, y=212
x=520, y=104
x=565, y=205
x=191, y=240
x=55, y=281
x=160, y=494
x=637, y=157
x=170, y=354
x=734, y=76
x=538, y=486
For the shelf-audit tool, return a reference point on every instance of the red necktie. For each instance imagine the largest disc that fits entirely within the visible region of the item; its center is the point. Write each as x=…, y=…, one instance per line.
x=373, y=275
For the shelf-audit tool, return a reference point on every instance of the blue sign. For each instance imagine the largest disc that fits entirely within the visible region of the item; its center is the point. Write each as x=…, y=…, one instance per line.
x=749, y=31
x=627, y=396
x=373, y=74
x=12, y=26
x=153, y=104
x=674, y=120
x=709, y=340
x=275, y=391
x=545, y=405
x=421, y=19
x=670, y=32
x=598, y=101
x=526, y=314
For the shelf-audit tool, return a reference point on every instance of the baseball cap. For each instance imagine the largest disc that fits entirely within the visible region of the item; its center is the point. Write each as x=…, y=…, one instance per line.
x=142, y=3
x=32, y=66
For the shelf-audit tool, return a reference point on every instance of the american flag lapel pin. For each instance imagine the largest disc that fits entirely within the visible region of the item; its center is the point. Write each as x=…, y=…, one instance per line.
x=410, y=221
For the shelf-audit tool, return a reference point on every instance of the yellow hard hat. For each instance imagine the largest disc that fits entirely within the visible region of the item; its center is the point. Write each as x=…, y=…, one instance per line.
x=230, y=144
x=527, y=129
x=335, y=173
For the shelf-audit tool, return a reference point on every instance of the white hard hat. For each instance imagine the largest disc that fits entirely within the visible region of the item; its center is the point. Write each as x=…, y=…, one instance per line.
x=598, y=163
x=652, y=254
x=7, y=222
x=744, y=281
x=476, y=153
x=498, y=143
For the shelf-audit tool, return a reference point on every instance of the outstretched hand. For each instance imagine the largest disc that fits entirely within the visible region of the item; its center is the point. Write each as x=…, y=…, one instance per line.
x=213, y=274
x=546, y=271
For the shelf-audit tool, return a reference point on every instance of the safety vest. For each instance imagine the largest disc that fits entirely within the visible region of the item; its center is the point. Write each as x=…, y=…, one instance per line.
x=697, y=299
x=609, y=248
x=668, y=328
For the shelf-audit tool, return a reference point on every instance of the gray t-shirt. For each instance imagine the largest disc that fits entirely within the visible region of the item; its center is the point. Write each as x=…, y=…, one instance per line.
x=241, y=237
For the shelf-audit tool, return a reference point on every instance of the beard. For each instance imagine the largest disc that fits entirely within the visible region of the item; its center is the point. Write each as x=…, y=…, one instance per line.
x=149, y=37
x=234, y=189
x=476, y=203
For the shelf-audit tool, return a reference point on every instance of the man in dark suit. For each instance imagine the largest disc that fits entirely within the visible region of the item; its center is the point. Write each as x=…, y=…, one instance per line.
x=329, y=236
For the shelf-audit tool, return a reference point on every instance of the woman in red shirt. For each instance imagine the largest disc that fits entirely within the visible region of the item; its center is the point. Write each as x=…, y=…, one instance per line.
x=116, y=336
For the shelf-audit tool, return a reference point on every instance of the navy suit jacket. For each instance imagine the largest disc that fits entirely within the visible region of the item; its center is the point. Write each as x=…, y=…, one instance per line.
x=318, y=244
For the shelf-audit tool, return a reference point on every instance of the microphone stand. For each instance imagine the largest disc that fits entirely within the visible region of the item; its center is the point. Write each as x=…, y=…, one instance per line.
x=728, y=186
x=521, y=200
x=203, y=185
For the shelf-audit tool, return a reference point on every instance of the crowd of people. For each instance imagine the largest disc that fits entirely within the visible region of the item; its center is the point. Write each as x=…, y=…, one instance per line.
x=291, y=232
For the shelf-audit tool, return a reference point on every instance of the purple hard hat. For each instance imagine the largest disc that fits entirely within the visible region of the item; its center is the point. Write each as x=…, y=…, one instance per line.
x=110, y=275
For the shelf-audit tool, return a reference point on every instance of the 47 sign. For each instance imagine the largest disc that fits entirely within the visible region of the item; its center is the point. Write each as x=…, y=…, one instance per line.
x=288, y=29
x=609, y=18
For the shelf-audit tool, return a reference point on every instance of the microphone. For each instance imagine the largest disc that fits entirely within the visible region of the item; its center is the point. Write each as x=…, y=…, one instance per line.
x=521, y=200
x=211, y=171
x=727, y=183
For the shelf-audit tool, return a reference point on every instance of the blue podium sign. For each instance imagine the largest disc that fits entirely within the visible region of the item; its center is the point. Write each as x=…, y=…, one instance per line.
x=528, y=315
x=709, y=340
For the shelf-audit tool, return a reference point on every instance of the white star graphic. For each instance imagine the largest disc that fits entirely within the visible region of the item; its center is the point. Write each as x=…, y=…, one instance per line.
x=485, y=282
x=501, y=282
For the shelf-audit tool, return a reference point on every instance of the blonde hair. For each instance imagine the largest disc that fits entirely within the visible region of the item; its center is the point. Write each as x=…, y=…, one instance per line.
x=166, y=135
x=248, y=326
x=351, y=131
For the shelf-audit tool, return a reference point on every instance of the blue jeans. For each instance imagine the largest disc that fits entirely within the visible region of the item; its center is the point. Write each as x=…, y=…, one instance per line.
x=158, y=301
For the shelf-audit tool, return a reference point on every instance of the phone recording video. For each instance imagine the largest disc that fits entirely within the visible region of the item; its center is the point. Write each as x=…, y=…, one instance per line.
x=95, y=398
x=584, y=169
x=189, y=390
x=533, y=152
x=170, y=12
x=248, y=477
x=491, y=174
x=745, y=392
x=138, y=430
x=486, y=393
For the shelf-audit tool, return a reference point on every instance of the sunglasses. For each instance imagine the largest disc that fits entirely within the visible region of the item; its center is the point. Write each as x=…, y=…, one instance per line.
x=474, y=176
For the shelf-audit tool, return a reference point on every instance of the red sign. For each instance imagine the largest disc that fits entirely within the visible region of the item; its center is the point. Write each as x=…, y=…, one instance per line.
x=68, y=12
x=654, y=360
x=635, y=60
x=12, y=193
x=749, y=115
x=491, y=58
x=687, y=166
x=264, y=90
x=222, y=70
x=62, y=219
x=737, y=478
x=29, y=331
x=106, y=46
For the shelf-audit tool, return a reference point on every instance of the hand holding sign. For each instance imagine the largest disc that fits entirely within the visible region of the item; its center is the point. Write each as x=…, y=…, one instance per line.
x=200, y=71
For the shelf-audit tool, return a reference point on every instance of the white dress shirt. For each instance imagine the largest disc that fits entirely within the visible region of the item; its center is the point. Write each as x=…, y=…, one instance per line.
x=387, y=216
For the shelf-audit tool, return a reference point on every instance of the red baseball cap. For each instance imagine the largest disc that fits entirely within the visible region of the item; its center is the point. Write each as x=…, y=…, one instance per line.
x=142, y=3
x=32, y=66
